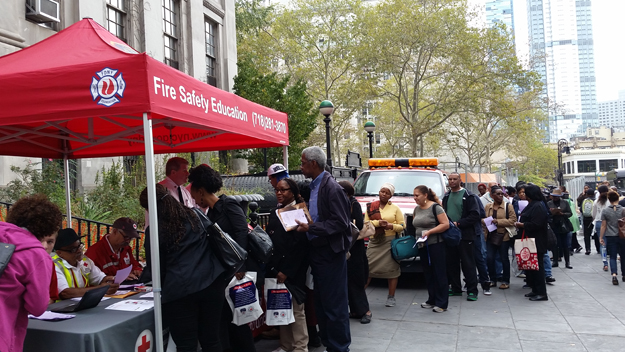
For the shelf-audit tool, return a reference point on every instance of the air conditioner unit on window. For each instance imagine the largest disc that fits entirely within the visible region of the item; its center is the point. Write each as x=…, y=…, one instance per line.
x=42, y=11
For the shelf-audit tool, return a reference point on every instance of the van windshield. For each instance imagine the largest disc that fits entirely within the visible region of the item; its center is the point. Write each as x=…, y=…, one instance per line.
x=369, y=183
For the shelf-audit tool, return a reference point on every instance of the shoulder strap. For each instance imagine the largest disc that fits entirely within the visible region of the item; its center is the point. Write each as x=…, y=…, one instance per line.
x=507, y=217
x=434, y=212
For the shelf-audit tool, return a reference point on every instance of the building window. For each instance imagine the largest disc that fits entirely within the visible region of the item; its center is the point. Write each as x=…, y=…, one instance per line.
x=608, y=165
x=116, y=18
x=170, y=32
x=586, y=166
x=211, y=53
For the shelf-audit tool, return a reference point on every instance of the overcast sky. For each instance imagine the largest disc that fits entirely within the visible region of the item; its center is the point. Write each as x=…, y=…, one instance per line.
x=608, y=29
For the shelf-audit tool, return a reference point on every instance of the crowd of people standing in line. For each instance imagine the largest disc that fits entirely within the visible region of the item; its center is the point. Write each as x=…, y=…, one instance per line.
x=56, y=269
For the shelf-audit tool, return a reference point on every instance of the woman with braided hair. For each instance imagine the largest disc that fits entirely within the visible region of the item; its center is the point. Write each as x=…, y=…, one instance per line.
x=193, y=286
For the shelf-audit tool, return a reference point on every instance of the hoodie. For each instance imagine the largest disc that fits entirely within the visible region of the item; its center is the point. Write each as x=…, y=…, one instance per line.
x=24, y=285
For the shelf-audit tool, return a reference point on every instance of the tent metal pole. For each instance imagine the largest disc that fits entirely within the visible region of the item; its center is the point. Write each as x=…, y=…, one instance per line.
x=68, y=199
x=154, y=245
x=285, y=156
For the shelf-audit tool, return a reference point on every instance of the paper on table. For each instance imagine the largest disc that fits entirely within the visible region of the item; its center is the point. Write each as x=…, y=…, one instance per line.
x=122, y=274
x=522, y=205
x=147, y=295
x=123, y=287
x=489, y=224
x=51, y=316
x=289, y=217
x=79, y=298
x=132, y=306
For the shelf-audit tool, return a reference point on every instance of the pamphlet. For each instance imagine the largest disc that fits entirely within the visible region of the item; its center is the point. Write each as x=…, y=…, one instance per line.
x=289, y=214
x=489, y=224
x=132, y=305
x=522, y=205
x=51, y=316
x=122, y=274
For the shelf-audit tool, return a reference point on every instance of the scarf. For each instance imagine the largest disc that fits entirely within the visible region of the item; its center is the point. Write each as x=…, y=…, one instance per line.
x=373, y=211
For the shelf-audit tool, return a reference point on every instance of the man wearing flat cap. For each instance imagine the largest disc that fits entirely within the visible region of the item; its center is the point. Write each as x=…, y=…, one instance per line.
x=75, y=273
x=112, y=252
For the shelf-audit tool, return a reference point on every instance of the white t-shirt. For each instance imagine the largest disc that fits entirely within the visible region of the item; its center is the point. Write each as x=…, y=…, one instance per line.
x=85, y=266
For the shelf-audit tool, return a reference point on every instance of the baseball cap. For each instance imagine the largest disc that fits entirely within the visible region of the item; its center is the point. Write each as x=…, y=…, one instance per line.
x=127, y=226
x=66, y=237
x=275, y=168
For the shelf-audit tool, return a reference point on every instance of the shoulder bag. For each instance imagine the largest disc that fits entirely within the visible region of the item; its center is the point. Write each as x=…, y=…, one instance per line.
x=452, y=235
x=6, y=252
x=261, y=246
x=621, y=226
x=231, y=255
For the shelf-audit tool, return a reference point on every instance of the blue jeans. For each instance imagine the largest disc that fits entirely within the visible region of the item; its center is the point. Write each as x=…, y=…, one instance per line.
x=614, y=247
x=480, y=262
x=491, y=251
x=547, y=263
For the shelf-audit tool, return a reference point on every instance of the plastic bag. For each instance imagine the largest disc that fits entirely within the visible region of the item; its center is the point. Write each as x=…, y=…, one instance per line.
x=242, y=297
x=279, y=304
x=309, y=279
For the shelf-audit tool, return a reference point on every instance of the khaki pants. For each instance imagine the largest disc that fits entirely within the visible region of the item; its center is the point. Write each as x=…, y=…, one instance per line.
x=294, y=337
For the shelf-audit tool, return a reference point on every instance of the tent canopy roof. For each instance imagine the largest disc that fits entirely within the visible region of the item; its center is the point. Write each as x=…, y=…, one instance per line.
x=82, y=93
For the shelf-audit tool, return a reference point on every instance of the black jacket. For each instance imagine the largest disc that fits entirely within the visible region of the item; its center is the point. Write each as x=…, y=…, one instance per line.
x=228, y=214
x=356, y=213
x=189, y=269
x=561, y=223
x=290, y=252
x=535, y=220
x=470, y=215
x=332, y=226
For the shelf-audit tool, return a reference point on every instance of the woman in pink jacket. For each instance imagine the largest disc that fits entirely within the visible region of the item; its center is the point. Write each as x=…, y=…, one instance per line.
x=25, y=283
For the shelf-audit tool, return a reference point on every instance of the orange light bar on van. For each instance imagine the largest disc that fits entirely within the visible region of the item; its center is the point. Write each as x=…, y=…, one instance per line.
x=404, y=162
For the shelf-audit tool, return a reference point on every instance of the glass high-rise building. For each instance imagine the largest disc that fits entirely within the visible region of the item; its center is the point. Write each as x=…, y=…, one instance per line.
x=561, y=43
x=500, y=11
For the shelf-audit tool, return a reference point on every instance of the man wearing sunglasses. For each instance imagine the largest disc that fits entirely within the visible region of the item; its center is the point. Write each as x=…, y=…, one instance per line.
x=113, y=252
x=75, y=273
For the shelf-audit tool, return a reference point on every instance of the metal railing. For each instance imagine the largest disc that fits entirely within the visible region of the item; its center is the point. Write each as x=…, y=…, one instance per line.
x=92, y=230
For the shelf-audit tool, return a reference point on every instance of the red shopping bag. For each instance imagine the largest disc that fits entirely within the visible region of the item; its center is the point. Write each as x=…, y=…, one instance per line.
x=526, y=253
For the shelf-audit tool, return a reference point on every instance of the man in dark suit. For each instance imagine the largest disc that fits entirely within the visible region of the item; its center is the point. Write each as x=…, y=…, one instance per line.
x=329, y=236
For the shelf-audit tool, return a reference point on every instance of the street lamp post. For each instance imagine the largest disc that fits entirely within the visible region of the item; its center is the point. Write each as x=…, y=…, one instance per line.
x=326, y=108
x=370, y=128
x=563, y=147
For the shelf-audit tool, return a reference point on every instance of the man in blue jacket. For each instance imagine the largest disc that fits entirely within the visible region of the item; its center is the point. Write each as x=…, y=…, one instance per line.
x=330, y=237
x=462, y=209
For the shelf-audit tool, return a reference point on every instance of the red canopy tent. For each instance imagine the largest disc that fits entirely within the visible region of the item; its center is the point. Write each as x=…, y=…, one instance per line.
x=84, y=93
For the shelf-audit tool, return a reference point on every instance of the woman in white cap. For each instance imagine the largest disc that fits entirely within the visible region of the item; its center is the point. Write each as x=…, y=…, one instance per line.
x=388, y=221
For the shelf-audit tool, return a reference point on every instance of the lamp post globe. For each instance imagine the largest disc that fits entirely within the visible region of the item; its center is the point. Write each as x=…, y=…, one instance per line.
x=370, y=128
x=326, y=108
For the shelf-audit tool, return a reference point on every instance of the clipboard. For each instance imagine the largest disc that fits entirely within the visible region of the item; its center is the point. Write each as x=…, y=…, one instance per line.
x=285, y=219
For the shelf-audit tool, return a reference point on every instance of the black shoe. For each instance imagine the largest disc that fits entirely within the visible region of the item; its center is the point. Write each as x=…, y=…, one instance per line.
x=531, y=294
x=568, y=266
x=587, y=252
x=539, y=298
x=614, y=280
x=578, y=249
x=555, y=265
x=366, y=319
x=550, y=279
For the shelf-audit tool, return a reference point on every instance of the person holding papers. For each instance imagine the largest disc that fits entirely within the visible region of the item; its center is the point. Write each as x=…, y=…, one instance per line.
x=75, y=273
x=113, y=252
x=499, y=216
x=433, y=253
x=289, y=264
x=388, y=220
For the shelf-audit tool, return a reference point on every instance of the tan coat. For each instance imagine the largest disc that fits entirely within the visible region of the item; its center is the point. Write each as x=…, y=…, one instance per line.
x=502, y=222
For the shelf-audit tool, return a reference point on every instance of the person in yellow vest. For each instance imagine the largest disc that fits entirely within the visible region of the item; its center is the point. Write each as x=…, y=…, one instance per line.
x=75, y=273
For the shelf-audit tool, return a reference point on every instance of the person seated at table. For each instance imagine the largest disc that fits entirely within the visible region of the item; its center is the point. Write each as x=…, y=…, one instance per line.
x=75, y=273
x=113, y=252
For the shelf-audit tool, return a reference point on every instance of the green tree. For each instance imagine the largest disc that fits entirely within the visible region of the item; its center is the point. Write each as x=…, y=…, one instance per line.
x=433, y=64
x=283, y=94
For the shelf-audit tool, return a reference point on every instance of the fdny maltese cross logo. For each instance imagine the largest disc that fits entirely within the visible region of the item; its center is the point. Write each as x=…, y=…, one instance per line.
x=107, y=87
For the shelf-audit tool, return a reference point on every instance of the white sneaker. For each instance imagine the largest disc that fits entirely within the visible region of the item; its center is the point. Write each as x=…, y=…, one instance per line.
x=487, y=292
x=390, y=301
x=426, y=306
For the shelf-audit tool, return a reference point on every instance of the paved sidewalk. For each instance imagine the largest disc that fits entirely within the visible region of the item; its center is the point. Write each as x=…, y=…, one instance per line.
x=585, y=312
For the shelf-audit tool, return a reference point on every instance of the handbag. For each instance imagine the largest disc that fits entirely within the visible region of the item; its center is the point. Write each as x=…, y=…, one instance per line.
x=526, y=253
x=495, y=238
x=6, y=252
x=621, y=226
x=404, y=247
x=452, y=235
x=552, y=240
x=261, y=246
x=368, y=230
x=231, y=255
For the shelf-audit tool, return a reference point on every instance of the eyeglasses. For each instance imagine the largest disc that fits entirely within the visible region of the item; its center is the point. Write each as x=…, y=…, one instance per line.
x=74, y=250
x=282, y=190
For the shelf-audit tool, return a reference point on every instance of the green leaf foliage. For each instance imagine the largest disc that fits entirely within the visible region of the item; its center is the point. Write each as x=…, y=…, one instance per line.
x=283, y=94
